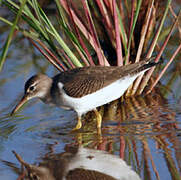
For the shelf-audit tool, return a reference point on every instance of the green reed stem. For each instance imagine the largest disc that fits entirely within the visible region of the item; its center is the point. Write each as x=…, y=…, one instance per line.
x=10, y=36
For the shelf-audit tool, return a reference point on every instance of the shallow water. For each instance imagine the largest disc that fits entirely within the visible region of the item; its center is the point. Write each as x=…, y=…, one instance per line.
x=144, y=131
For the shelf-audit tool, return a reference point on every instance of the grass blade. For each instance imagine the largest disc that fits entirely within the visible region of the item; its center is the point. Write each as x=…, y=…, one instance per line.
x=55, y=34
x=148, y=75
x=164, y=69
x=106, y=19
x=44, y=54
x=101, y=57
x=118, y=40
x=80, y=25
x=122, y=32
x=144, y=30
x=132, y=29
x=80, y=40
x=141, y=44
x=10, y=36
x=150, y=51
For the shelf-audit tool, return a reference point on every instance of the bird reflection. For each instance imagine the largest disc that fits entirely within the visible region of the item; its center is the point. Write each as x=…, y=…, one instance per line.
x=78, y=163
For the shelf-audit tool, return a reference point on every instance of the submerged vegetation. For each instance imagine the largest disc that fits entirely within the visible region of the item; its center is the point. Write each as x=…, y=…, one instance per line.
x=96, y=32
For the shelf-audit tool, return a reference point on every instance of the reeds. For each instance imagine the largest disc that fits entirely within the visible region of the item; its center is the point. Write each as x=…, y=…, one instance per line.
x=105, y=32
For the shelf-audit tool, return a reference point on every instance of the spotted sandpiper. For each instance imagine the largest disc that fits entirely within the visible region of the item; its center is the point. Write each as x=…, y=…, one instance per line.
x=84, y=89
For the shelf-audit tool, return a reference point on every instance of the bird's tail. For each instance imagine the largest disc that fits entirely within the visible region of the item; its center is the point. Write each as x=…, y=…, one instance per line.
x=147, y=64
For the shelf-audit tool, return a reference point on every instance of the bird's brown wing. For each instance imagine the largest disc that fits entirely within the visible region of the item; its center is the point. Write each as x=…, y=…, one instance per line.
x=79, y=82
x=83, y=81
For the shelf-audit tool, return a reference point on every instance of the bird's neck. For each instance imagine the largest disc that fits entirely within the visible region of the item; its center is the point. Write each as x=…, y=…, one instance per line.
x=47, y=98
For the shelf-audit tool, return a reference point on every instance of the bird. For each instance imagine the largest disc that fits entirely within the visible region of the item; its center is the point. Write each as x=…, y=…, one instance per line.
x=84, y=89
x=79, y=163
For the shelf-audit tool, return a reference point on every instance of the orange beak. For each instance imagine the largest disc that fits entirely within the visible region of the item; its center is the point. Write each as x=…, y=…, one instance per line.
x=20, y=104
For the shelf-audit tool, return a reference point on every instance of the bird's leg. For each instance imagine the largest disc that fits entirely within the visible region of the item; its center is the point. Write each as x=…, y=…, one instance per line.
x=99, y=119
x=79, y=124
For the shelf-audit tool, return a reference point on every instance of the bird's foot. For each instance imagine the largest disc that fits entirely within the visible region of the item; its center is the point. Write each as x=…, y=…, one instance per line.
x=78, y=126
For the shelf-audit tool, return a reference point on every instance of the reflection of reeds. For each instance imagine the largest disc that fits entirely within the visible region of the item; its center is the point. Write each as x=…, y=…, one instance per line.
x=132, y=125
x=127, y=31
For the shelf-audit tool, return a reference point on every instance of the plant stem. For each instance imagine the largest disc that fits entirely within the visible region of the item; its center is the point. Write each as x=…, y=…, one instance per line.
x=10, y=36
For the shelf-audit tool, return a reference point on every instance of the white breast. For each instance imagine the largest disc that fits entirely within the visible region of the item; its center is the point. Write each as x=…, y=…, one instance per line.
x=98, y=98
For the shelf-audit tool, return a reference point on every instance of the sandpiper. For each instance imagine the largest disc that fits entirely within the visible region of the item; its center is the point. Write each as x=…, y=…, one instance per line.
x=84, y=89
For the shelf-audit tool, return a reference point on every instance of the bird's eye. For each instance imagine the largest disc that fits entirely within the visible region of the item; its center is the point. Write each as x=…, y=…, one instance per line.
x=32, y=88
x=33, y=176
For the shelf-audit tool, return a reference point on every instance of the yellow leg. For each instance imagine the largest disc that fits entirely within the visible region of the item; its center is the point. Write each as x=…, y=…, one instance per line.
x=79, y=124
x=98, y=118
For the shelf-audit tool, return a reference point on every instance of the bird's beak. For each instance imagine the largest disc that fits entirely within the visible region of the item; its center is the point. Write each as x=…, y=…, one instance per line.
x=20, y=104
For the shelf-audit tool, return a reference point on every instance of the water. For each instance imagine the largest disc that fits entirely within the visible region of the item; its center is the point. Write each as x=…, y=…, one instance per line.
x=144, y=131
